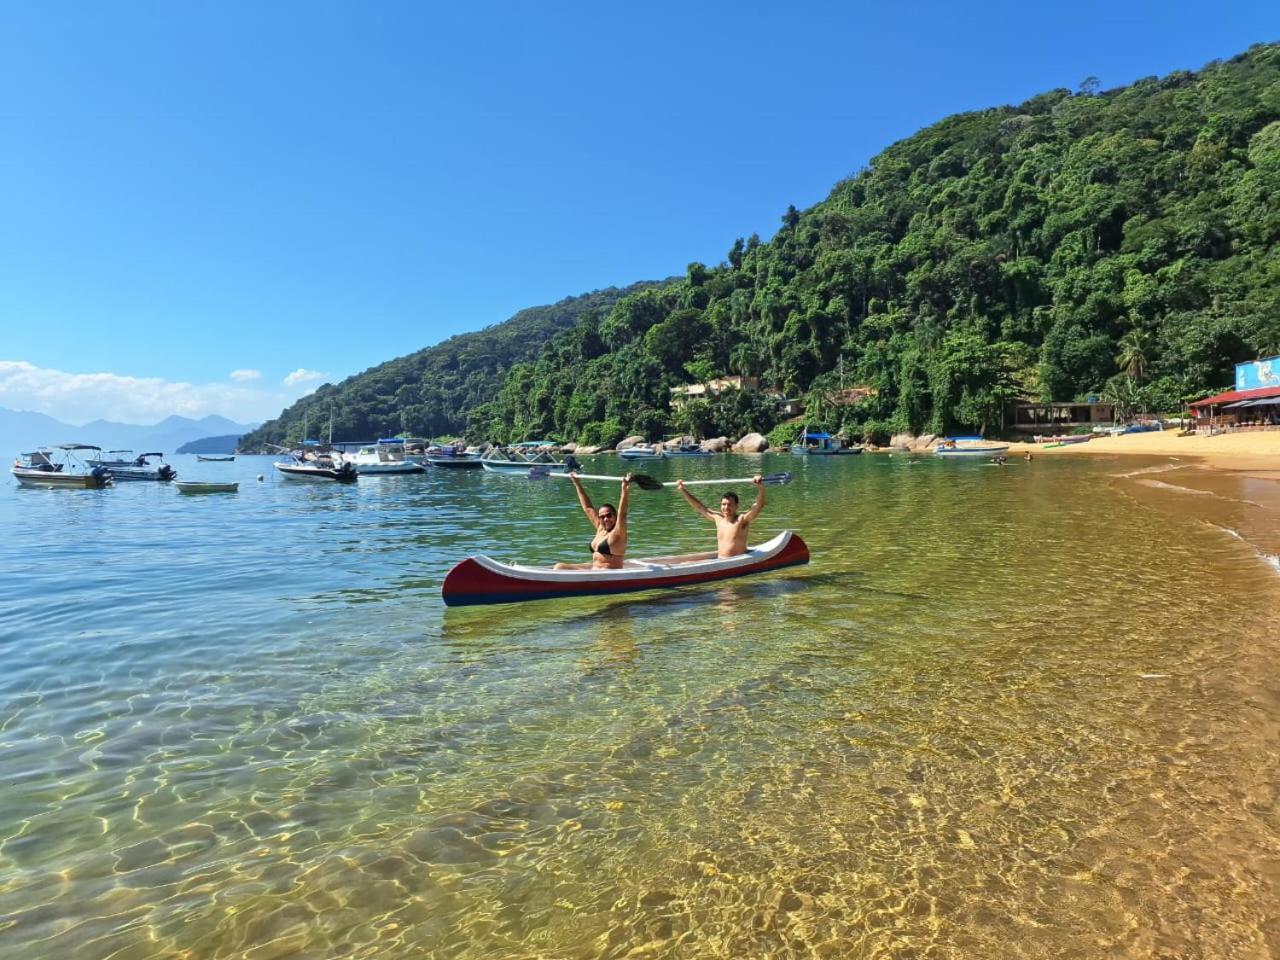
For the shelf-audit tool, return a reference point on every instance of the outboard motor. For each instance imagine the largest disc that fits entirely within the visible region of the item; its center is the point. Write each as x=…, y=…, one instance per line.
x=167, y=472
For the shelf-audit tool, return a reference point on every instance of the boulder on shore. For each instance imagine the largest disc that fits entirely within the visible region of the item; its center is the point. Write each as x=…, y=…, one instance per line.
x=569, y=448
x=716, y=445
x=587, y=451
x=751, y=443
x=629, y=442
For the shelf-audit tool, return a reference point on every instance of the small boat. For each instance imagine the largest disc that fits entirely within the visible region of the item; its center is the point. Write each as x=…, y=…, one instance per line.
x=1070, y=441
x=313, y=462
x=959, y=448
x=482, y=580
x=387, y=456
x=213, y=459
x=201, y=486
x=687, y=450
x=642, y=451
x=818, y=444
x=454, y=457
x=137, y=468
x=520, y=457
x=61, y=466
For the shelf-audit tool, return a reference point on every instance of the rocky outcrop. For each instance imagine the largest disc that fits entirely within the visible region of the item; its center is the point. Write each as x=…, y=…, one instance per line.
x=910, y=441
x=630, y=442
x=751, y=443
x=716, y=445
x=587, y=451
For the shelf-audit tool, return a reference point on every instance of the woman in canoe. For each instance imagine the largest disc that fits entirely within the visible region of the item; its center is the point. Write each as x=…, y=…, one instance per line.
x=609, y=545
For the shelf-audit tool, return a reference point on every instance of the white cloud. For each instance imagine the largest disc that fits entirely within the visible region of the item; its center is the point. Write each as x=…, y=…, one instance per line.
x=245, y=375
x=303, y=376
x=80, y=397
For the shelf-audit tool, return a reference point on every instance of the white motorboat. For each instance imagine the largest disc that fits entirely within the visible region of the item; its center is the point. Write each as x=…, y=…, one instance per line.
x=61, y=466
x=642, y=451
x=386, y=456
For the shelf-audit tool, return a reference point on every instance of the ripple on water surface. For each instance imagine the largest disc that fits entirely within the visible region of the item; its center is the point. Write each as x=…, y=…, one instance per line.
x=1005, y=712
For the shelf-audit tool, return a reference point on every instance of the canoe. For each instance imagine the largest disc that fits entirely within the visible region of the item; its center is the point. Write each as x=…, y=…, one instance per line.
x=483, y=580
x=197, y=486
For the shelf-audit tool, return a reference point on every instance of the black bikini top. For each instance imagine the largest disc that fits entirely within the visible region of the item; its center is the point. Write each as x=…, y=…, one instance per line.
x=602, y=549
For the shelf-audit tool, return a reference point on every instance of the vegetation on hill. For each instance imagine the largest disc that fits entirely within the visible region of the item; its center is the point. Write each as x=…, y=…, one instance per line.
x=213, y=445
x=1122, y=243
x=429, y=393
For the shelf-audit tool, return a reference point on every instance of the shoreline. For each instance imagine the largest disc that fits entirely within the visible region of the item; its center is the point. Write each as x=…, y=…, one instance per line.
x=1256, y=453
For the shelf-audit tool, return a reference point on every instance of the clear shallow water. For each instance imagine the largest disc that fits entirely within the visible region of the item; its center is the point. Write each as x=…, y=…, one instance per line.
x=1026, y=711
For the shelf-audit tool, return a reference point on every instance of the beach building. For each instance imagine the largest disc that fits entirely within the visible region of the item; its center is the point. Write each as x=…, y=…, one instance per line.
x=1254, y=404
x=1029, y=417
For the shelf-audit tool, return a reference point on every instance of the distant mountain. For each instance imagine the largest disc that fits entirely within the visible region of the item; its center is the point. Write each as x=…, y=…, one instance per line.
x=217, y=445
x=22, y=430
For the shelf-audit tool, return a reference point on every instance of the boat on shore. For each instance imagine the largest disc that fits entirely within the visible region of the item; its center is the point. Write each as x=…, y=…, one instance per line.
x=1050, y=442
x=203, y=486
x=61, y=466
x=137, y=468
x=200, y=456
x=482, y=580
x=820, y=444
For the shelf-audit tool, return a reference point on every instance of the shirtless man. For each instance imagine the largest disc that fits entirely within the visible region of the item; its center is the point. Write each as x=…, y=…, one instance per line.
x=609, y=544
x=732, y=528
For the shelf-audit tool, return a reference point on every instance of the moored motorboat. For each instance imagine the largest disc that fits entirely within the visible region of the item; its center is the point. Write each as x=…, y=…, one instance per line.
x=307, y=465
x=61, y=466
x=961, y=448
x=642, y=451
x=453, y=457
x=212, y=459
x=136, y=468
x=520, y=457
x=687, y=450
x=386, y=457
x=482, y=580
x=819, y=444
x=202, y=486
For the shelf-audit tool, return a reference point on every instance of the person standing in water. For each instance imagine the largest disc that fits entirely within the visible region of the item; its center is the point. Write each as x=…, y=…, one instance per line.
x=732, y=528
x=609, y=544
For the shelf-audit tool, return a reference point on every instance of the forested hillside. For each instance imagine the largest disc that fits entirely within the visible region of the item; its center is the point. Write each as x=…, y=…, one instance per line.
x=429, y=393
x=1120, y=242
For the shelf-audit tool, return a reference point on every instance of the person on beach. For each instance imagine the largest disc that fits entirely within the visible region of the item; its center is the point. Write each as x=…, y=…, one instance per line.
x=609, y=544
x=732, y=528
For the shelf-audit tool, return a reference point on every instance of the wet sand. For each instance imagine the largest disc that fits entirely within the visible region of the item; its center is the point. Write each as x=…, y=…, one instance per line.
x=1254, y=453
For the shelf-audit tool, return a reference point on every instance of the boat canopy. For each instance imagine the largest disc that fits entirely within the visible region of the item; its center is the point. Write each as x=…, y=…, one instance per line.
x=391, y=440
x=78, y=446
x=811, y=435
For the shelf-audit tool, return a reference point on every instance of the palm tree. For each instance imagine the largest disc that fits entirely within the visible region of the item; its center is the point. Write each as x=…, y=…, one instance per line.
x=1132, y=358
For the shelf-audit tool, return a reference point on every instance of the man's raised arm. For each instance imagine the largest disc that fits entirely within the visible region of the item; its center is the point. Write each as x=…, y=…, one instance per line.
x=694, y=501
x=759, y=504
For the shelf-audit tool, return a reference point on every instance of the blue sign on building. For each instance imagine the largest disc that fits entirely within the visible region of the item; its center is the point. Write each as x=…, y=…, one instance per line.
x=1258, y=373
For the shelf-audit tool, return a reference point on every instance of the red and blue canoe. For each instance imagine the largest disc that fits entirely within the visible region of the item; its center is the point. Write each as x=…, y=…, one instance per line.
x=483, y=580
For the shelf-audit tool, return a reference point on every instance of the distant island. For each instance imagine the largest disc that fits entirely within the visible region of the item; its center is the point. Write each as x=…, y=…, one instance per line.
x=216, y=445
x=1120, y=245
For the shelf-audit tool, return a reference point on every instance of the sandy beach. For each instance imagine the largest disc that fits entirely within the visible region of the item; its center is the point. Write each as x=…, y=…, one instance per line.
x=1256, y=453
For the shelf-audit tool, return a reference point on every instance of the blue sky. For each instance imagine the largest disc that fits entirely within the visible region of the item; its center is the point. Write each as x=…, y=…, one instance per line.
x=305, y=189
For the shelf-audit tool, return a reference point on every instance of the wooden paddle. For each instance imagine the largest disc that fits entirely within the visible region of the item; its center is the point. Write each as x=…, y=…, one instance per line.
x=646, y=482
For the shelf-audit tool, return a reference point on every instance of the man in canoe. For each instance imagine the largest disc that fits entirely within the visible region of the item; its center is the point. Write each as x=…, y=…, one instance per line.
x=732, y=528
x=609, y=544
